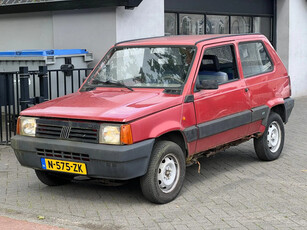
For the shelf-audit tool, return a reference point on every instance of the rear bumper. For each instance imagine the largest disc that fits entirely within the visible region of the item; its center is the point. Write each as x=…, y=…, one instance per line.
x=103, y=161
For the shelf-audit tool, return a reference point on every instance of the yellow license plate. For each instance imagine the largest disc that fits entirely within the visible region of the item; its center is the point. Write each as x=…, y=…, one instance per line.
x=64, y=166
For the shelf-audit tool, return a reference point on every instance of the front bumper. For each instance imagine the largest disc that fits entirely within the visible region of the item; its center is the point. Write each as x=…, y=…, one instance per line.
x=121, y=162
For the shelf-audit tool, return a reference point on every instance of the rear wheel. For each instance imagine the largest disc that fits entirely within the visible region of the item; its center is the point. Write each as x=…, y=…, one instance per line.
x=164, y=178
x=52, y=179
x=268, y=147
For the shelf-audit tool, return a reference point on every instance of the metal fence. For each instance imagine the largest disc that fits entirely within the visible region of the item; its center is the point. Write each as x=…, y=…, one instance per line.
x=23, y=89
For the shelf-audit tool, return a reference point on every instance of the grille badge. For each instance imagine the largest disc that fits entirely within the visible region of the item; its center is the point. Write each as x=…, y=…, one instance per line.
x=65, y=132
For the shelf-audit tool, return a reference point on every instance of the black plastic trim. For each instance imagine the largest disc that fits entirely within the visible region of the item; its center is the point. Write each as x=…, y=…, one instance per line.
x=189, y=98
x=120, y=162
x=139, y=39
x=260, y=113
x=226, y=36
x=65, y=5
x=225, y=123
x=191, y=133
x=289, y=104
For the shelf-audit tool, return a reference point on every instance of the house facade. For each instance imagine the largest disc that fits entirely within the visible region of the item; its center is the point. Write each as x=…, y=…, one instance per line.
x=96, y=25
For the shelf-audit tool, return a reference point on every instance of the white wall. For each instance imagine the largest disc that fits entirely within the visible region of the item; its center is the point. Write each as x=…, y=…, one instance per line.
x=283, y=31
x=298, y=46
x=146, y=20
x=292, y=42
x=92, y=29
x=26, y=31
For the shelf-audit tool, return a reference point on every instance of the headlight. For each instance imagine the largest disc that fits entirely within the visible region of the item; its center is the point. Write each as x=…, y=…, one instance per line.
x=115, y=134
x=27, y=126
x=109, y=134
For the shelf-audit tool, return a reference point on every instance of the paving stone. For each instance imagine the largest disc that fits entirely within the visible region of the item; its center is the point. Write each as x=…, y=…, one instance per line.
x=234, y=190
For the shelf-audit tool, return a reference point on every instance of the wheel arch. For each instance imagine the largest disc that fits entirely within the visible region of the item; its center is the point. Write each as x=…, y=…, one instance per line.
x=277, y=105
x=177, y=137
x=280, y=110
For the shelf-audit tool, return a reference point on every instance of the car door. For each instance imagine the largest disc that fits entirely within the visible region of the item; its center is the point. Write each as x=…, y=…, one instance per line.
x=222, y=114
x=259, y=75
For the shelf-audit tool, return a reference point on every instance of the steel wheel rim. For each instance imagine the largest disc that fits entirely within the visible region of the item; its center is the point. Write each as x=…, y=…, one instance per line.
x=274, y=136
x=168, y=173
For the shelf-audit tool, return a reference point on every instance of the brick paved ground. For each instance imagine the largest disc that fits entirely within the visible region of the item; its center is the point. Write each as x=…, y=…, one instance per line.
x=233, y=190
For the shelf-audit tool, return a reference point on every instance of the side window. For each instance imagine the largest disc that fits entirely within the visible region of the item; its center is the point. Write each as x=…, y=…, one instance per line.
x=219, y=64
x=254, y=59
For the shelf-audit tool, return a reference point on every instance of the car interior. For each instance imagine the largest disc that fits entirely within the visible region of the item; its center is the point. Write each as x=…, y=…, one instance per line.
x=218, y=64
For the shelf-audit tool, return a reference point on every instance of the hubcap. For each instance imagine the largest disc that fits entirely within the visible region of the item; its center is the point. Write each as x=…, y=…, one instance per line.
x=168, y=173
x=274, y=136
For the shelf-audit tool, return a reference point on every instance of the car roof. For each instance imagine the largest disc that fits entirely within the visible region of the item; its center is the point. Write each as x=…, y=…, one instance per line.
x=187, y=39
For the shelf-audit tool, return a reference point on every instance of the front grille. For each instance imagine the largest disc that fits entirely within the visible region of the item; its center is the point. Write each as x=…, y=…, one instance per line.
x=67, y=130
x=62, y=154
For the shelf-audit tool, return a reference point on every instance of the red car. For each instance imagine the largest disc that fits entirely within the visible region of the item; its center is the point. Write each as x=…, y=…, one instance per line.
x=153, y=106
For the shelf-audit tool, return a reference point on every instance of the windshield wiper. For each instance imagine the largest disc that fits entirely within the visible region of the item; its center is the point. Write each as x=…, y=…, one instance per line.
x=96, y=82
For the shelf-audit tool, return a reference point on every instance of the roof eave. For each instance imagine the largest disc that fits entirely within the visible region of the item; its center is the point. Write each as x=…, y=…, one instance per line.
x=65, y=5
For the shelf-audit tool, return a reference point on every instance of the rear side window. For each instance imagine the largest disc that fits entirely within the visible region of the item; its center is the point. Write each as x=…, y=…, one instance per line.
x=254, y=58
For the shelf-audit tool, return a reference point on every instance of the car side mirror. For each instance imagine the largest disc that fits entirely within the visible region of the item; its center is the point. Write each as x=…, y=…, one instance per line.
x=207, y=84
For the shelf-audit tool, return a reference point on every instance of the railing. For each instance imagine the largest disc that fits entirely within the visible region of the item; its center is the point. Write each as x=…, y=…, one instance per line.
x=23, y=89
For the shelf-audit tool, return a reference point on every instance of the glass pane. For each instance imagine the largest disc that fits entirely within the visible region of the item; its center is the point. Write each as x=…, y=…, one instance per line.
x=217, y=24
x=241, y=25
x=156, y=67
x=191, y=24
x=254, y=59
x=222, y=63
x=170, y=24
x=263, y=25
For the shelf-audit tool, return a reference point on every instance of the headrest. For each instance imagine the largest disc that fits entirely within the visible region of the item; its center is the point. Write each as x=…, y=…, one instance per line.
x=210, y=63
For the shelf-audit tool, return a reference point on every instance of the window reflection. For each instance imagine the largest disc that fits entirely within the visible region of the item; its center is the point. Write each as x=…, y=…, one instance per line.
x=158, y=67
x=254, y=59
x=191, y=24
x=263, y=25
x=170, y=24
x=240, y=25
x=217, y=24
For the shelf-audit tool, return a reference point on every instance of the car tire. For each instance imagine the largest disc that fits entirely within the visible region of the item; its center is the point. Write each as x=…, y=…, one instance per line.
x=269, y=146
x=52, y=179
x=164, y=178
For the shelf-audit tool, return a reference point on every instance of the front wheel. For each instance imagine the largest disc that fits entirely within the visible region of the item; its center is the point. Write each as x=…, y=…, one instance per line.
x=164, y=178
x=268, y=147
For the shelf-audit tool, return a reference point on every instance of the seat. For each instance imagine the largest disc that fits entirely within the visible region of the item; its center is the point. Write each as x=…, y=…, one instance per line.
x=210, y=70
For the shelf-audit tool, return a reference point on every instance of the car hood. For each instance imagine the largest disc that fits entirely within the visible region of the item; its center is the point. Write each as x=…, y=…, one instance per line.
x=106, y=105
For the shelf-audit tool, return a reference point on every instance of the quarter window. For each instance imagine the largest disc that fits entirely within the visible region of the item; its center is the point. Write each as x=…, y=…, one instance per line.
x=254, y=59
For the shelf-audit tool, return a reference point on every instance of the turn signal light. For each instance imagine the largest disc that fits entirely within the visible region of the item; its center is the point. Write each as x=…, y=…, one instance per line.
x=126, y=135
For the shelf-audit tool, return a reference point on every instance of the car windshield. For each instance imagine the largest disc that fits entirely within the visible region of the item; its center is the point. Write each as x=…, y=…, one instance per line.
x=154, y=67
